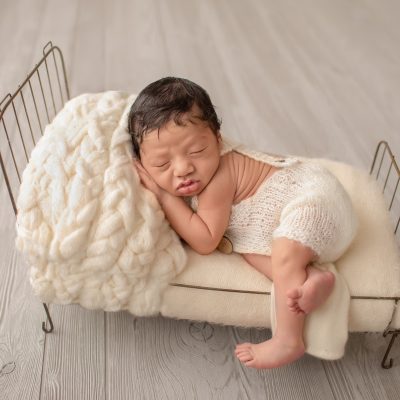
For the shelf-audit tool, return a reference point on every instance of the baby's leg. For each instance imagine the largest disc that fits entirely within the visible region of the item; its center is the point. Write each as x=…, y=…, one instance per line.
x=289, y=262
x=261, y=263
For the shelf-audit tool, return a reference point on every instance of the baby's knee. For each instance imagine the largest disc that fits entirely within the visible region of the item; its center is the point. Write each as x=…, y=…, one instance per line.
x=288, y=255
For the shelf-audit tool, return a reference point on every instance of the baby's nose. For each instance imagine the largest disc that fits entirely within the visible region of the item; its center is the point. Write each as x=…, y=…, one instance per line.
x=183, y=167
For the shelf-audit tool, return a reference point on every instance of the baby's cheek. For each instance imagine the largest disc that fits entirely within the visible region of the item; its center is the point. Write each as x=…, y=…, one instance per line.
x=164, y=184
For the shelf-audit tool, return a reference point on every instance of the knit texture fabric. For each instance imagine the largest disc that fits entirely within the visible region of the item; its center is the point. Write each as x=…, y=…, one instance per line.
x=303, y=202
x=92, y=234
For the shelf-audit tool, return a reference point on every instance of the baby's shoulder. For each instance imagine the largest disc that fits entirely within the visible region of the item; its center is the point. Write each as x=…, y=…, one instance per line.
x=233, y=161
x=239, y=164
x=231, y=166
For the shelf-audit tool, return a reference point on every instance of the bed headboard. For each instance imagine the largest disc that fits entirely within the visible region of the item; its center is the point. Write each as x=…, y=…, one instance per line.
x=25, y=113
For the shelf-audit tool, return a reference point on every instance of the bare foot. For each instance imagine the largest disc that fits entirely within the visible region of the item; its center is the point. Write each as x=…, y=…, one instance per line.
x=314, y=291
x=270, y=354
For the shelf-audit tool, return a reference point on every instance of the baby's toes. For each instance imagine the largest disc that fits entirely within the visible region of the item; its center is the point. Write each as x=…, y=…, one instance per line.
x=251, y=363
x=242, y=346
x=291, y=302
x=293, y=308
x=293, y=294
x=245, y=357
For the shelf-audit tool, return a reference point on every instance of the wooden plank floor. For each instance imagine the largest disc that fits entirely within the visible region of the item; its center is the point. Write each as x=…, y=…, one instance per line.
x=313, y=78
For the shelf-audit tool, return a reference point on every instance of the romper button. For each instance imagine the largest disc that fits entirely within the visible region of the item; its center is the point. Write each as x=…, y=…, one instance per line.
x=225, y=246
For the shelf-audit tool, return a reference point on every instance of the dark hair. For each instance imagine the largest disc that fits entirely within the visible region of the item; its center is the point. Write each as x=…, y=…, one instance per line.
x=166, y=99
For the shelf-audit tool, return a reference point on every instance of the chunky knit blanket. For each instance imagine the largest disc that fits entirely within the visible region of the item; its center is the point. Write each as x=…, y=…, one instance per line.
x=91, y=233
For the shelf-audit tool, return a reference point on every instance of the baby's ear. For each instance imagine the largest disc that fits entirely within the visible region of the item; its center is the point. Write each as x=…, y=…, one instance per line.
x=220, y=142
x=219, y=138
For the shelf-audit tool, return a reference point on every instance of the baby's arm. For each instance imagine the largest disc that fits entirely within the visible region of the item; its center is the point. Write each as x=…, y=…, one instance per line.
x=202, y=230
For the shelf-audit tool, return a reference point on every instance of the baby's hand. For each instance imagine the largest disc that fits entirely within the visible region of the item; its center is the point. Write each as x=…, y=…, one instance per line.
x=147, y=181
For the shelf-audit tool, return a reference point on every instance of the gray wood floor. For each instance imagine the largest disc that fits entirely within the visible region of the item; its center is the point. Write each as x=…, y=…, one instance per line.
x=313, y=78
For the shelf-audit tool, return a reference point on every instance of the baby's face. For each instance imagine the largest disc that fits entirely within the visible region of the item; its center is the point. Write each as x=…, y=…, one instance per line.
x=181, y=159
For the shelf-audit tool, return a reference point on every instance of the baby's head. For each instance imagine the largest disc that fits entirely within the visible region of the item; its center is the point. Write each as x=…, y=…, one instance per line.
x=165, y=100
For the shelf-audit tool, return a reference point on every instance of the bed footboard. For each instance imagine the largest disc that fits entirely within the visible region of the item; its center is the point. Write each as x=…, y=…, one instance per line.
x=386, y=171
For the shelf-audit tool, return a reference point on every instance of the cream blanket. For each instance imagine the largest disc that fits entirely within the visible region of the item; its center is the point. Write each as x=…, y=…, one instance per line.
x=92, y=234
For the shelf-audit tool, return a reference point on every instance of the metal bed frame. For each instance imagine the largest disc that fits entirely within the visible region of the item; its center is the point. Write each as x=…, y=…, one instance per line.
x=44, y=92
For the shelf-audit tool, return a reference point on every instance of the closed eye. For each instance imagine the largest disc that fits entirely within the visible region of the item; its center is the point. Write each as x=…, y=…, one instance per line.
x=198, y=151
x=161, y=165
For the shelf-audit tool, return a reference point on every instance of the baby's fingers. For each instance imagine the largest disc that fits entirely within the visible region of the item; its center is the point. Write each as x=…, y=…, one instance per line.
x=146, y=180
x=143, y=175
x=140, y=169
x=138, y=165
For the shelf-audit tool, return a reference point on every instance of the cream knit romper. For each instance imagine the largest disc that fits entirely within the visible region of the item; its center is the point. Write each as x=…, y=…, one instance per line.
x=301, y=201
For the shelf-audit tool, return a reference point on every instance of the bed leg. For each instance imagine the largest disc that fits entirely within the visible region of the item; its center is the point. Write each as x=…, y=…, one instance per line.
x=384, y=363
x=49, y=319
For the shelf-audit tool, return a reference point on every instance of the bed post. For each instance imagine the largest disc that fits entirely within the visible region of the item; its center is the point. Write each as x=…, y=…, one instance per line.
x=394, y=334
x=46, y=309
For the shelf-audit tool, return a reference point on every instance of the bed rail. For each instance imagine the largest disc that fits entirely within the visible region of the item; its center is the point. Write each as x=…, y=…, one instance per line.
x=24, y=114
x=386, y=171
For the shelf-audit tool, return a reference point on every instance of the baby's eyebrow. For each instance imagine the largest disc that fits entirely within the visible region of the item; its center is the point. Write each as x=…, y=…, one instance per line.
x=197, y=117
x=157, y=156
x=157, y=149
